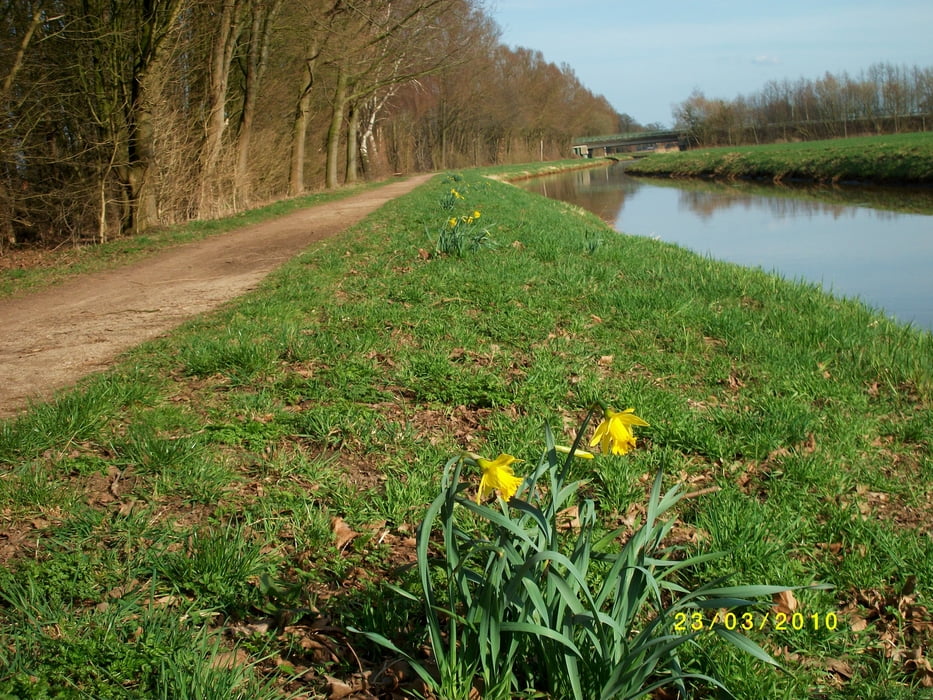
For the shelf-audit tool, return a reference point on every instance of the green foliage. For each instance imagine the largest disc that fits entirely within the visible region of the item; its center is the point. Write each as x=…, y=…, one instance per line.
x=236, y=354
x=151, y=452
x=120, y=651
x=219, y=567
x=525, y=601
x=70, y=417
x=461, y=235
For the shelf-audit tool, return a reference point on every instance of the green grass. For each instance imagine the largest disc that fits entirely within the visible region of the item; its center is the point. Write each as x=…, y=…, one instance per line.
x=217, y=510
x=901, y=158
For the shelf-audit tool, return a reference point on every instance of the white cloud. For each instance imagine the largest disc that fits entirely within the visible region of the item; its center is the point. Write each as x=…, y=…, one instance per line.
x=766, y=60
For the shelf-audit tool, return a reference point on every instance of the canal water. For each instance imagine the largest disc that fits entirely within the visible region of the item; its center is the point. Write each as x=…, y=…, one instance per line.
x=840, y=237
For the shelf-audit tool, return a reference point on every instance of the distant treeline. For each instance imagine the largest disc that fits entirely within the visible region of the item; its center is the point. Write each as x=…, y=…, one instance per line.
x=884, y=99
x=119, y=116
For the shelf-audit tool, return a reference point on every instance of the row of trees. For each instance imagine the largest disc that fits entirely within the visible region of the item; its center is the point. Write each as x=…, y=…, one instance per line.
x=120, y=115
x=885, y=98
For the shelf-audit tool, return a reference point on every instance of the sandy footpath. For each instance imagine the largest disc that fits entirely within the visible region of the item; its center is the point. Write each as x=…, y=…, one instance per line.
x=50, y=339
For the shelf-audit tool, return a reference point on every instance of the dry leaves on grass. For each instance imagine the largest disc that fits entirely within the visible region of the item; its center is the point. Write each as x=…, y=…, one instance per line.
x=785, y=603
x=899, y=628
x=752, y=480
x=568, y=520
x=394, y=680
x=319, y=645
x=915, y=512
x=839, y=670
x=461, y=424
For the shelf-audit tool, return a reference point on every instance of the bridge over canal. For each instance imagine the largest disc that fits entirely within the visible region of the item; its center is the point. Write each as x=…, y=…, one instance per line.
x=597, y=146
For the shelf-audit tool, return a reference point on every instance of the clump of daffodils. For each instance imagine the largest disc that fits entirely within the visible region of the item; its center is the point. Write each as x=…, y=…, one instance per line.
x=449, y=199
x=614, y=435
x=510, y=589
x=460, y=234
x=454, y=221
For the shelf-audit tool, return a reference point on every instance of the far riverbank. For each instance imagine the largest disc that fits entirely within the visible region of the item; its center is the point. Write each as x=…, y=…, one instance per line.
x=892, y=160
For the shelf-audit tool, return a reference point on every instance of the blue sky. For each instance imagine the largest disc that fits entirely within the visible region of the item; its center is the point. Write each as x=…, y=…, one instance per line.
x=645, y=57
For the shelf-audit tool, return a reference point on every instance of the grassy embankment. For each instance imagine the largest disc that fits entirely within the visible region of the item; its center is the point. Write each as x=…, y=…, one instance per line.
x=255, y=478
x=897, y=159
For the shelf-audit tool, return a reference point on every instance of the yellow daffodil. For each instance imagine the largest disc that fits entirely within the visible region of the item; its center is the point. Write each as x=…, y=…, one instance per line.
x=614, y=434
x=456, y=194
x=453, y=221
x=476, y=214
x=498, y=476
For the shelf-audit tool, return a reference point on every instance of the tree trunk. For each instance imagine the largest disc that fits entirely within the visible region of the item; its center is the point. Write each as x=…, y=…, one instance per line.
x=333, y=132
x=142, y=192
x=352, y=144
x=7, y=234
x=368, y=143
x=221, y=56
x=257, y=57
x=296, y=177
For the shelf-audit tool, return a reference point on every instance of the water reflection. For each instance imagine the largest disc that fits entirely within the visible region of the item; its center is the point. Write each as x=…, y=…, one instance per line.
x=849, y=239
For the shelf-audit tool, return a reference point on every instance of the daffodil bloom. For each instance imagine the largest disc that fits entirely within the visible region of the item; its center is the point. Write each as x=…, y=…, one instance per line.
x=614, y=434
x=498, y=476
x=576, y=453
x=476, y=214
x=453, y=221
x=456, y=194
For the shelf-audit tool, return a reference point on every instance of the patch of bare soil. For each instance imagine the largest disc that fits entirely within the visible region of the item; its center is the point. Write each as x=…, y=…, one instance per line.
x=50, y=339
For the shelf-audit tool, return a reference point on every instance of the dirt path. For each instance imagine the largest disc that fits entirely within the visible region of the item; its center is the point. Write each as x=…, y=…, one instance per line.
x=50, y=339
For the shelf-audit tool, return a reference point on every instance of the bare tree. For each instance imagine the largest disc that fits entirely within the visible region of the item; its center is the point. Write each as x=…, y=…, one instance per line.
x=262, y=16
x=383, y=44
x=885, y=98
x=227, y=27
x=299, y=138
x=10, y=69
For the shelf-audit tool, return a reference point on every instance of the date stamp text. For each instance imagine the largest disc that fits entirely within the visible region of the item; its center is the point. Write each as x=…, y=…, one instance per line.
x=746, y=621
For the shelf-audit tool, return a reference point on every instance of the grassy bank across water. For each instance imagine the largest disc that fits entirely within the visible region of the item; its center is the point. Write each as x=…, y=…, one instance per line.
x=896, y=159
x=211, y=517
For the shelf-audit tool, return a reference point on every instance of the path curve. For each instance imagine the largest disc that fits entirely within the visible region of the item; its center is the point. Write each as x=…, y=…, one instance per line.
x=52, y=338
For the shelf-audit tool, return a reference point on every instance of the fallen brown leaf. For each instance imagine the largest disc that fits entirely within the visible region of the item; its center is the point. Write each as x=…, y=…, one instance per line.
x=857, y=624
x=839, y=667
x=569, y=519
x=344, y=533
x=230, y=659
x=784, y=602
x=337, y=689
